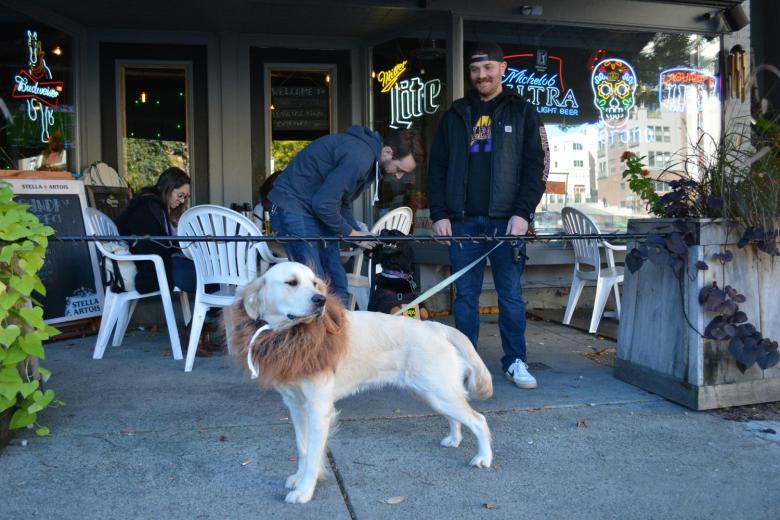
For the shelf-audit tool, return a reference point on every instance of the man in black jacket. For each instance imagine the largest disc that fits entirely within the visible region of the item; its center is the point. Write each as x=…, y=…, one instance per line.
x=487, y=173
x=313, y=196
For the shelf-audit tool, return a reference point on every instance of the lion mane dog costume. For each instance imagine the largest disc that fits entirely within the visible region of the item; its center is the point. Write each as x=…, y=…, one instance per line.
x=299, y=340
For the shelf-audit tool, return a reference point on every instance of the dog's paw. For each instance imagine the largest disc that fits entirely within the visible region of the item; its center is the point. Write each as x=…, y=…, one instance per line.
x=451, y=441
x=299, y=496
x=292, y=481
x=481, y=461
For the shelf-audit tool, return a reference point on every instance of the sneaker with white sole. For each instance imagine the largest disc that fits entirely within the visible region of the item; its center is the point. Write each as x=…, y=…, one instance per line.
x=519, y=375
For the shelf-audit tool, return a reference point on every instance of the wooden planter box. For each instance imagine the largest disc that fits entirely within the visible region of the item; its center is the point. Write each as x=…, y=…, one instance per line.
x=659, y=352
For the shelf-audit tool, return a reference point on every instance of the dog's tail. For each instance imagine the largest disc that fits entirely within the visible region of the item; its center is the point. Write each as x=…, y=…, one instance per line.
x=480, y=382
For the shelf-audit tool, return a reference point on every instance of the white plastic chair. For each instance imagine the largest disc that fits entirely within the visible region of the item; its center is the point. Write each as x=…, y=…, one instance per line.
x=229, y=264
x=587, y=253
x=118, y=307
x=358, y=285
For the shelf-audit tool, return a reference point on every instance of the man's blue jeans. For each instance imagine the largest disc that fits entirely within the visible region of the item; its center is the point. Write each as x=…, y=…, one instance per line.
x=506, y=277
x=323, y=258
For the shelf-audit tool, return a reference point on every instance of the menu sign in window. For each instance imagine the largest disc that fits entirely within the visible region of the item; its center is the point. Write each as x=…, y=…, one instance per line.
x=300, y=109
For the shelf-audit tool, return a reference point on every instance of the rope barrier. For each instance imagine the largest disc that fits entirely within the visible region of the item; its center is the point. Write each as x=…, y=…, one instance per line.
x=349, y=239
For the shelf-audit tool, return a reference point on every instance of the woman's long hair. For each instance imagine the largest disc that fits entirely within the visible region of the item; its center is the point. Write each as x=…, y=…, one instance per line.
x=171, y=179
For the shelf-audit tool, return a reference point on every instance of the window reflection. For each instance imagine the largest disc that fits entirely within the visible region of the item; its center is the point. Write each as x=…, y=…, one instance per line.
x=665, y=85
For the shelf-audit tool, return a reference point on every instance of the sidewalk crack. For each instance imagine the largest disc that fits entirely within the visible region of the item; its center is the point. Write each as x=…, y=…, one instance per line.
x=342, y=487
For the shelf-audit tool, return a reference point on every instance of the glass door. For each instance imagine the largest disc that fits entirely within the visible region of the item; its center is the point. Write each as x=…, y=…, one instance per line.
x=154, y=121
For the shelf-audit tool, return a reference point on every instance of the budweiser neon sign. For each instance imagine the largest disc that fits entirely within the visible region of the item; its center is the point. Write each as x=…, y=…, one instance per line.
x=47, y=92
x=388, y=78
x=36, y=86
x=538, y=78
x=681, y=87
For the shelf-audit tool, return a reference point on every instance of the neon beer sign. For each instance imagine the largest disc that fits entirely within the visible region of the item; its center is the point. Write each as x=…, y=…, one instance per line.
x=680, y=86
x=35, y=85
x=387, y=78
x=411, y=98
x=538, y=78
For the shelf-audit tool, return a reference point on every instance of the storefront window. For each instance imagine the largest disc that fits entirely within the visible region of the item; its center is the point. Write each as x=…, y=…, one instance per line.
x=37, y=112
x=409, y=92
x=601, y=93
x=156, y=135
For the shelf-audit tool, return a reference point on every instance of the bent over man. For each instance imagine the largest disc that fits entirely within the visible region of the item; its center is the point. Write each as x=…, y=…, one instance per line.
x=313, y=196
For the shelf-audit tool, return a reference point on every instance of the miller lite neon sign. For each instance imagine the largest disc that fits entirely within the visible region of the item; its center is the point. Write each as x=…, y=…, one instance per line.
x=409, y=98
x=387, y=78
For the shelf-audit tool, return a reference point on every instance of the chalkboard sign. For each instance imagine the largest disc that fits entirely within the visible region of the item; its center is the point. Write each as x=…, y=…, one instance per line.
x=111, y=200
x=70, y=272
x=301, y=112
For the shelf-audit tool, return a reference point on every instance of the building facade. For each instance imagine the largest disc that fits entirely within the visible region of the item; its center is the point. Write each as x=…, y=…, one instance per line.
x=230, y=91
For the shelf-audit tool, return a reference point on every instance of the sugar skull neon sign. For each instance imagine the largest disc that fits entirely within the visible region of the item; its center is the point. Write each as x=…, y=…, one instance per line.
x=614, y=83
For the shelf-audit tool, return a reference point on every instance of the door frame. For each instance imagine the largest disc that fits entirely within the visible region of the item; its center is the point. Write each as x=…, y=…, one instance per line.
x=121, y=122
x=330, y=68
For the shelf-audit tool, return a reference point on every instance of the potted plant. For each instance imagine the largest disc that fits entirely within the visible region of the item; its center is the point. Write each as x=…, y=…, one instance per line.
x=23, y=241
x=700, y=319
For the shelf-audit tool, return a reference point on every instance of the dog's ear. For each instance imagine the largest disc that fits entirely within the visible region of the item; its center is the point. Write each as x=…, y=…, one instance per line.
x=254, y=297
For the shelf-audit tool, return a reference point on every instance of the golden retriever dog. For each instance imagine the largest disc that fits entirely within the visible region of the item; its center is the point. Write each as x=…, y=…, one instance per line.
x=304, y=344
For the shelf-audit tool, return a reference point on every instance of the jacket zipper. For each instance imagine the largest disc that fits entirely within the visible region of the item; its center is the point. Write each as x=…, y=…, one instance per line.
x=493, y=134
x=469, y=135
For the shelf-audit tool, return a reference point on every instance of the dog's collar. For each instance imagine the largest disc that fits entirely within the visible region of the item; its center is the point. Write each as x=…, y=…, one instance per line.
x=262, y=328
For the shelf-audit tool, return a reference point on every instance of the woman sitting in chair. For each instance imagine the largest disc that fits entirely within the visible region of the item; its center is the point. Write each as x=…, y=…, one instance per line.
x=155, y=211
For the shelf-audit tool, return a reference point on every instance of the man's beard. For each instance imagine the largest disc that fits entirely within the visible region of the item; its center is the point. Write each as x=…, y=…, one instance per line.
x=383, y=167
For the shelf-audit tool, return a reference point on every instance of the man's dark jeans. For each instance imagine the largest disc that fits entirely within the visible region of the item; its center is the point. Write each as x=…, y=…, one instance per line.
x=506, y=277
x=323, y=258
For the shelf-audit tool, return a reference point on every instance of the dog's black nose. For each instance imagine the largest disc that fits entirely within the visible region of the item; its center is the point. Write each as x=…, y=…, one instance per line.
x=318, y=299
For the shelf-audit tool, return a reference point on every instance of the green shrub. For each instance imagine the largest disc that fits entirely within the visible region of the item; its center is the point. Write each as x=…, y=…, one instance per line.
x=23, y=241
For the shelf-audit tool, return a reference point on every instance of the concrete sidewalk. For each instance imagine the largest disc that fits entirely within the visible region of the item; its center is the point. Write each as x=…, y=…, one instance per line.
x=139, y=438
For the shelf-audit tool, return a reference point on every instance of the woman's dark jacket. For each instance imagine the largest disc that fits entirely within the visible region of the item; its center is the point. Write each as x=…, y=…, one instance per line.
x=146, y=216
x=519, y=162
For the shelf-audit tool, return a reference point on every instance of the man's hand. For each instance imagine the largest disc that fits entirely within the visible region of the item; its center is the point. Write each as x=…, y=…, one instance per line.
x=366, y=244
x=517, y=226
x=443, y=228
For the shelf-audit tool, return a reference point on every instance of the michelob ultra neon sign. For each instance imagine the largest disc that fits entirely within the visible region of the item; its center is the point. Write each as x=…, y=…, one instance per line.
x=680, y=86
x=538, y=78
